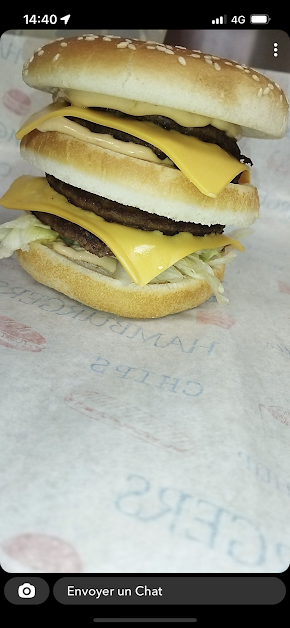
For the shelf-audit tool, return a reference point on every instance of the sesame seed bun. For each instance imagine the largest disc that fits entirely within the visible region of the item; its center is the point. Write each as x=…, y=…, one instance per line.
x=171, y=76
x=153, y=188
x=109, y=295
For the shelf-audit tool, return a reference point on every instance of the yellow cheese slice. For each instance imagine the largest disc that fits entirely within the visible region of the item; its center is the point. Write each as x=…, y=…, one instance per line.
x=143, y=254
x=206, y=165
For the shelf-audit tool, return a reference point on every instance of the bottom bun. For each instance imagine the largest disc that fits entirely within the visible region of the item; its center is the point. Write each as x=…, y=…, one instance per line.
x=110, y=295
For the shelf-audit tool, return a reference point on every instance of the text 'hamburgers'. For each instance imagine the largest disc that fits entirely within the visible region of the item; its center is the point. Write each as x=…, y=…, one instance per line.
x=142, y=172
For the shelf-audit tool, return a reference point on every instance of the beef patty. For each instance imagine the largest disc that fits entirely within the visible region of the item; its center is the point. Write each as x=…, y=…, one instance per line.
x=111, y=211
x=73, y=232
x=206, y=133
x=125, y=214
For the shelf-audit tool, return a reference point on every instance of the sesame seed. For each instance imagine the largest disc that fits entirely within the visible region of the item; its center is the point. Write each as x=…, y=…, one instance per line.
x=123, y=44
x=63, y=43
x=129, y=40
x=162, y=49
x=247, y=70
x=107, y=39
x=181, y=59
x=207, y=57
x=196, y=56
x=181, y=47
x=260, y=92
x=255, y=77
x=59, y=38
x=281, y=98
x=151, y=42
x=266, y=90
x=228, y=63
x=88, y=38
x=168, y=46
x=40, y=52
x=240, y=67
x=25, y=72
x=278, y=86
x=271, y=86
x=216, y=66
x=80, y=38
x=55, y=58
x=131, y=46
x=216, y=58
x=207, y=60
x=150, y=47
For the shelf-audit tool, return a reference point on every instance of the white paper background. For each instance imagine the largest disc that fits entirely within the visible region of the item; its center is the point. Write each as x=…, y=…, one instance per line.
x=147, y=446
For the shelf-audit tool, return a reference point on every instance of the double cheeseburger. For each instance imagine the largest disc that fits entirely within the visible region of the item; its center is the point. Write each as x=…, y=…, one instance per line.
x=142, y=172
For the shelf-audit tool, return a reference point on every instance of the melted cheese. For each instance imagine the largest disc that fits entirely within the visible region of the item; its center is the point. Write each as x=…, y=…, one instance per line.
x=143, y=254
x=206, y=165
x=139, y=108
x=104, y=140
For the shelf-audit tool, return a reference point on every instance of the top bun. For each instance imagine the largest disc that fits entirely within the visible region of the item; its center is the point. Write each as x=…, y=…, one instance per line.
x=172, y=76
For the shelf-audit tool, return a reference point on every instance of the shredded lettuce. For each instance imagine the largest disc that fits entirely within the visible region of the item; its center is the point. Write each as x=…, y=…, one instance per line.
x=17, y=234
x=200, y=265
x=194, y=266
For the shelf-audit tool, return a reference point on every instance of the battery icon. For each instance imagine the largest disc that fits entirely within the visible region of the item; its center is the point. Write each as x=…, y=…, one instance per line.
x=261, y=18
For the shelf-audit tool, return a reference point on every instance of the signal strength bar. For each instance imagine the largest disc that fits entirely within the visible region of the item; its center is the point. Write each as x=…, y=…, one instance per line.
x=220, y=20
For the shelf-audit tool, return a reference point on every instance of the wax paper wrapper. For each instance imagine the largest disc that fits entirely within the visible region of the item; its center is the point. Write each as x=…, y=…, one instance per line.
x=147, y=446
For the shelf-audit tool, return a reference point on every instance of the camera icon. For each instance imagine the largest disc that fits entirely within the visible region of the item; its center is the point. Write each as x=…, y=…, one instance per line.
x=26, y=590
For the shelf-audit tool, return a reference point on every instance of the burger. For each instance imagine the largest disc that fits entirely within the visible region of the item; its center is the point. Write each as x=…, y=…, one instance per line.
x=143, y=172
